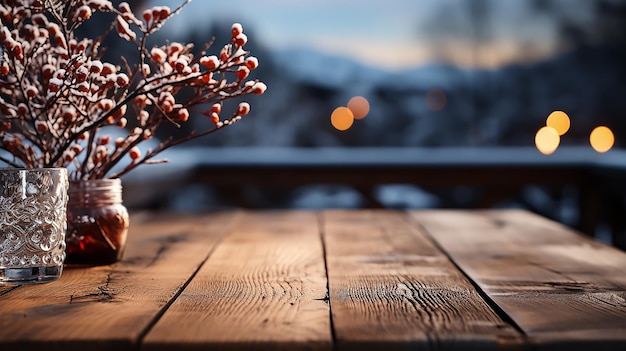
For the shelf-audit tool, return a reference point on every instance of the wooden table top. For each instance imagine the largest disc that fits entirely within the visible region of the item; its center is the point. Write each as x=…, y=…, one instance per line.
x=332, y=280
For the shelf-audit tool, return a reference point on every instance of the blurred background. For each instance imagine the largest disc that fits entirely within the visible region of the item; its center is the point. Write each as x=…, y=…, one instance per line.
x=456, y=91
x=436, y=73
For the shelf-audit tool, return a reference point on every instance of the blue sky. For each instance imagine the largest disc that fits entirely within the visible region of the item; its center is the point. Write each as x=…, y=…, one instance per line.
x=393, y=34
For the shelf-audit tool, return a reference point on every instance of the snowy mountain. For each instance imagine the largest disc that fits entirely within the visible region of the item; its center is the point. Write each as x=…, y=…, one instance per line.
x=314, y=67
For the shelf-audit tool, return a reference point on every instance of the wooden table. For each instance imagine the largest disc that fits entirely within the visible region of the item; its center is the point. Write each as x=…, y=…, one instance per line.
x=332, y=280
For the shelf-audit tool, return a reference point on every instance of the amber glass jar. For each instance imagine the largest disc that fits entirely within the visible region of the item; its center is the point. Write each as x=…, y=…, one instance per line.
x=97, y=222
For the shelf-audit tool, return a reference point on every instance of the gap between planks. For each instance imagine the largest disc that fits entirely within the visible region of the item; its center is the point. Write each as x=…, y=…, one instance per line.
x=109, y=307
x=160, y=314
x=263, y=287
x=391, y=287
x=564, y=290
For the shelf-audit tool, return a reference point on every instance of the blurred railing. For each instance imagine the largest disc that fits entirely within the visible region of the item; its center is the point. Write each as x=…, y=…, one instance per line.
x=575, y=185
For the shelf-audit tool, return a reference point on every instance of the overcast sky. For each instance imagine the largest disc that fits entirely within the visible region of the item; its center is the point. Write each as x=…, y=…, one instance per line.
x=394, y=34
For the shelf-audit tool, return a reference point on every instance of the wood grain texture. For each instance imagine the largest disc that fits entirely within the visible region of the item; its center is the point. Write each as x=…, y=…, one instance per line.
x=6, y=288
x=262, y=288
x=391, y=288
x=564, y=290
x=109, y=307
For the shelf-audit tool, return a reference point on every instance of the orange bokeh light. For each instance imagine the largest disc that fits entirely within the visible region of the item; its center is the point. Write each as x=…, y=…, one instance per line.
x=602, y=139
x=359, y=106
x=560, y=121
x=342, y=118
x=547, y=140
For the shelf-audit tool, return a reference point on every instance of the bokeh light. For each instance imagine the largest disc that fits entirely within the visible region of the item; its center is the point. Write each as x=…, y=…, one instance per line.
x=342, y=118
x=560, y=121
x=547, y=140
x=601, y=139
x=436, y=99
x=359, y=106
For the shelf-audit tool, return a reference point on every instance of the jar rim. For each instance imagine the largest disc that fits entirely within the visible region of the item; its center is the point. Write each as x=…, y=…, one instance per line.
x=95, y=184
x=95, y=192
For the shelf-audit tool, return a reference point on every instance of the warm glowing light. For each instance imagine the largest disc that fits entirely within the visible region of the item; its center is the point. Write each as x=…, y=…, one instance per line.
x=547, y=140
x=359, y=106
x=559, y=121
x=602, y=139
x=342, y=118
x=436, y=99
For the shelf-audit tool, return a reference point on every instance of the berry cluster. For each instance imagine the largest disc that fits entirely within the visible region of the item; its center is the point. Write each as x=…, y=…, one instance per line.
x=59, y=98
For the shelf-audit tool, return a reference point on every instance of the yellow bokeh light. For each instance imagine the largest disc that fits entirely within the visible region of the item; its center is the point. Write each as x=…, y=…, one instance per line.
x=436, y=99
x=547, y=140
x=559, y=120
x=342, y=118
x=602, y=139
x=359, y=106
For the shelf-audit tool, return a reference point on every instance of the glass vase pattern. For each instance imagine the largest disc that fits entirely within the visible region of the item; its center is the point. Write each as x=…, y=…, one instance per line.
x=97, y=222
x=32, y=224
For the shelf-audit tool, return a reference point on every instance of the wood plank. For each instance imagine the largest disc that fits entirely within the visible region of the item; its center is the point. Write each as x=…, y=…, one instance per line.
x=391, y=288
x=262, y=288
x=110, y=307
x=565, y=291
x=6, y=288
